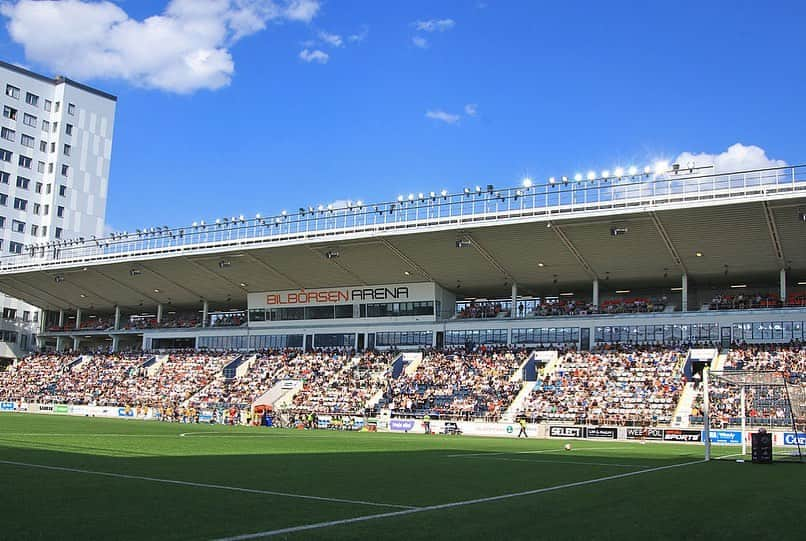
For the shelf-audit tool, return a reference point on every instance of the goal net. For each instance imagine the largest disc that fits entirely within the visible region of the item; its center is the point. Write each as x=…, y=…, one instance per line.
x=746, y=401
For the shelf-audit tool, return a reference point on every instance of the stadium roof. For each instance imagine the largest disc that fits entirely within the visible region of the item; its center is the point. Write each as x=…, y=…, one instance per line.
x=743, y=233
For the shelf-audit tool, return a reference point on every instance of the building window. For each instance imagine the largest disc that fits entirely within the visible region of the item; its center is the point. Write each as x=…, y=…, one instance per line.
x=20, y=204
x=37, y=208
x=8, y=134
x=43, y=146
x=58, y=106
x=65, y=169
x=5, y=155
x=12, y=92
x=9, y=112
x=68, y=129
x=50, y=167
x=17, y=226
x=29, y=120
x=44, y=231
x=27, y=141
x=40, y=167
x=31, y=99
x=4, y=177
x=25, y=161
x=47, y=188
x=3, y=199
x=66, y=149
x=58, y=232
x=23, y=182
x=71, y=108
x=15, y=247
x=62, y=190
x=34, y=229
x=55, y=127
x=60, y=212
x=53, y=147
x=2, y=222
x=47, y=210
x=45, y=125
x=48, y=105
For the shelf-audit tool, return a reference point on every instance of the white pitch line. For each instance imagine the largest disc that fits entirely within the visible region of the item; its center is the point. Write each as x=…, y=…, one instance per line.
x=439, y=507
x=540, y=461
x=558, y=449
x=205, y=485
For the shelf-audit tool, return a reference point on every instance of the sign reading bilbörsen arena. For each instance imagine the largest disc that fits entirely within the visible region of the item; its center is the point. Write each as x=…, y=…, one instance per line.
x=424, y=291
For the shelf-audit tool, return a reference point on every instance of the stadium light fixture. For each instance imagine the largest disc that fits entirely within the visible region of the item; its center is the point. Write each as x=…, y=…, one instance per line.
x=738, y=286
x=661, y=167
x=444, y=193
x=605, y=174
x=541, y=264
x=802, y=283
x=526, y=182
x=591, y=175
x=633, y=170
x=619, y=172
x=676, y=289
x=243, y=284
x=565, y=179
x=647, y=170
x=467, y=191
x=400, y=198
x=567, y=294
x=156, y=290
x=83, y=296
x=698, y=254
x=407, y=273
x=802, y=216
x=578, y=177
x=623, y=291
x=552, y=180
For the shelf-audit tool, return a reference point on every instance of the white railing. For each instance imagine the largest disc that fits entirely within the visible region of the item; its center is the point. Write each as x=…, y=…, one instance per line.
x=414, y=212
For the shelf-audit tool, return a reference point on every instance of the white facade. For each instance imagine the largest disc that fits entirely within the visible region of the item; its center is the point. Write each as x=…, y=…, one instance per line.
x=55, y=151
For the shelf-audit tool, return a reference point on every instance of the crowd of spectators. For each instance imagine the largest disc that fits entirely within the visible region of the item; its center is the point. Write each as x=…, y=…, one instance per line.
x=459, y=384
x=482, y=310
x=348, y=390
x=29, y=378
x=744, y=301
x=625, y=387
x=93, y=380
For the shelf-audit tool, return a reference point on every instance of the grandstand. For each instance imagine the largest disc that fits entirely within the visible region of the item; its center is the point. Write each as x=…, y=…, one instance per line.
x=665, y=256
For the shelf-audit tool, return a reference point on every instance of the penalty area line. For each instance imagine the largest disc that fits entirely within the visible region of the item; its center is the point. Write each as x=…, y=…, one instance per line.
x=439, y=507
x=205, y=485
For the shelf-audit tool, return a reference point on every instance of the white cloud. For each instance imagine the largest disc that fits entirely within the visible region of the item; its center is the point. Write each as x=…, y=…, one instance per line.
x=471, y=109
x=183, y=49
x=442, y=116
x=334, y=40
x=434, y=25
x=736, y=158
x=359, y=36
x=420, y=42
x=315, y=55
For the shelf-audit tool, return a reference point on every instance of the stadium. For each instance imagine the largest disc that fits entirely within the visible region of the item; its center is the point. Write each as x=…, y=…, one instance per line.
x=609, y=354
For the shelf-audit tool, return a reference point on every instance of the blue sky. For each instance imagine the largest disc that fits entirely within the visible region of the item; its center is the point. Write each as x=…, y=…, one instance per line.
x=556, y=88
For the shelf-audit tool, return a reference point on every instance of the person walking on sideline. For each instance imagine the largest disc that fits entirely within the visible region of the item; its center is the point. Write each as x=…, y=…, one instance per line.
x=522, y=422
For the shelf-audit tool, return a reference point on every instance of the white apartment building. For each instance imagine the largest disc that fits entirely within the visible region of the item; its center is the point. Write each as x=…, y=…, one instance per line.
x=55, y=150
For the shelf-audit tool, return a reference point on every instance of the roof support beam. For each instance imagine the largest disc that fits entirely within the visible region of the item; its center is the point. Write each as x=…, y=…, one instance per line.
x=180, y=286
x=204, y=269
x=668, y=242
x=39, y=294
x=272, y=270
x=489, y=257
x=126, y=286
x=407, y=260
x=772, y=228
x=335, y=261
x=573, y=249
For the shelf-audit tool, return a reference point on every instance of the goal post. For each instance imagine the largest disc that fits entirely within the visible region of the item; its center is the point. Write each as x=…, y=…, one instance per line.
x=737, y=403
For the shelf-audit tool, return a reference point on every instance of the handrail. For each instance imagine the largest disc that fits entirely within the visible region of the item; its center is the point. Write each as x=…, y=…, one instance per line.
x=414, y=212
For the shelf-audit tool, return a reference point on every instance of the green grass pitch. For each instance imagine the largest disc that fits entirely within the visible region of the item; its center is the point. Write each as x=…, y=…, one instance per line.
x=79, y=478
